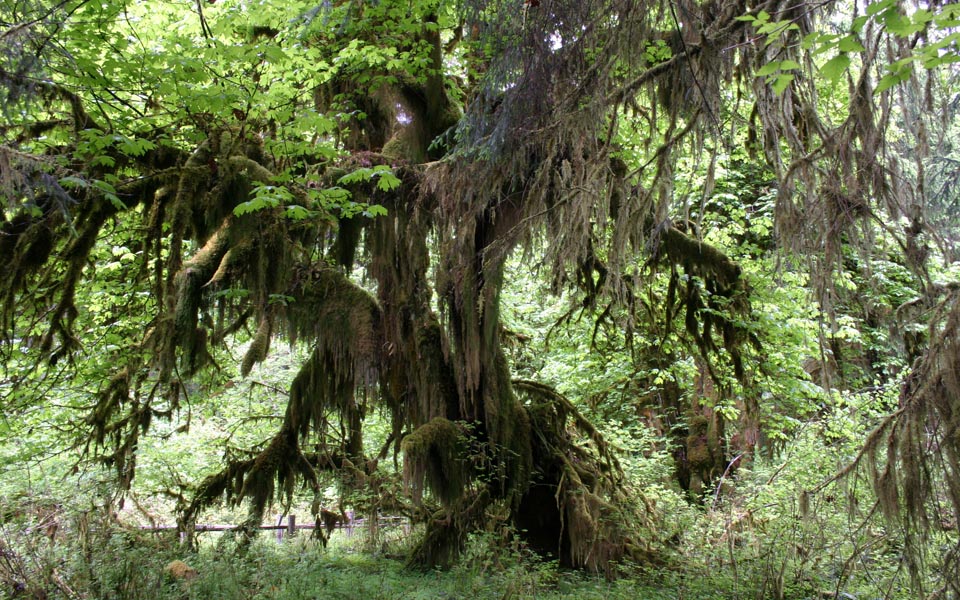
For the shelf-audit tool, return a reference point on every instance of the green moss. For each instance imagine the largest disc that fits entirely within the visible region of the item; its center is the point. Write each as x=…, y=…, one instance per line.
x=348, y=237
x=259, y=347
x=700, y=454
x=338, y=312
x=189, y=283
x=399, y=147
x=344, y=320
x=434, y=459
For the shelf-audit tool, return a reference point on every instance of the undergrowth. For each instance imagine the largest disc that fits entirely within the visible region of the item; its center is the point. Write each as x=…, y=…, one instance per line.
x=713, y=557
x=754, y=534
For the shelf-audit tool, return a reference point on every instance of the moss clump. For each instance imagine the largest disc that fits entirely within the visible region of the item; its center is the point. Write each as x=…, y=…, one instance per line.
x=698, y=449
x=259, y=347
x=341, y=315
x=179, y=570
x=433, y=458
x=400, y=147
x=683, y=249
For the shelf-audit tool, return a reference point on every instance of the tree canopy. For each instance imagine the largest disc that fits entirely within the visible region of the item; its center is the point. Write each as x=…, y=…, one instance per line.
x=182, y=181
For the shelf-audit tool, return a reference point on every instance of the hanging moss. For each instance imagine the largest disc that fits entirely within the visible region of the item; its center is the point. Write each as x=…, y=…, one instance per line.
x=189, y=284
x=259, y=347
x=436, y=385
x=232, y=177
x=343, y=318
x=58, y=300
x=109, y=401
x=231, y=482
x=224, y=484
x=714, y=300
x=348, y=237
x=273, y=472
x=317, y=389
x=434, y=459
x=194, y=180
x=520, y=463
x=25, y=245
x=271, y=467
x=34, y=246
x=911, y=477
x=418, y=375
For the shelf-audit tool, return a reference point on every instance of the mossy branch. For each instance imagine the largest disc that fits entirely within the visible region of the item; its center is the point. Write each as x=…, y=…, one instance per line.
x=683, y=249
x=434, y=459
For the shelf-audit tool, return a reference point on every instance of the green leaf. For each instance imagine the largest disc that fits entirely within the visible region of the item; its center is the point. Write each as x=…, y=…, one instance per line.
x=946, y=59
x=932, y=62
x=72, y=181
x=896, y=23
x=275, y=54
x=103, y=186
x=355, y=176
x=375, y=210
x=858, y=23
x=834, y=68
x=768, y=69
x=811, y=40
x=135, y=147
x=280, y=299
x=888, y=81
x=387, y=181
x=249, y=207
x=115, y=201
x=110, y=193
x=296, y=212
x=922, y=16
x=104, y=160
x=850, y=44
x=945, y=20
x=877, y=7
x=782, y=81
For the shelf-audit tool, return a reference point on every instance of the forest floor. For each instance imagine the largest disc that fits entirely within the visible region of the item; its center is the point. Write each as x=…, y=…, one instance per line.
x=301, y=569
x=129, y=564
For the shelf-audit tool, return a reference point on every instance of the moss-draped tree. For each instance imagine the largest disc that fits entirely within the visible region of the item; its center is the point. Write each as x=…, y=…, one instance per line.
x=253, y=153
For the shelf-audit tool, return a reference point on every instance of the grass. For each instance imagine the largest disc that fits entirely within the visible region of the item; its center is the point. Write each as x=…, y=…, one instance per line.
x=120, y=564
x=301, y=571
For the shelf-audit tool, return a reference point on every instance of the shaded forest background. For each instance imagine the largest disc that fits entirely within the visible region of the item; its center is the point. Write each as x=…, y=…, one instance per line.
x=650, y=290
